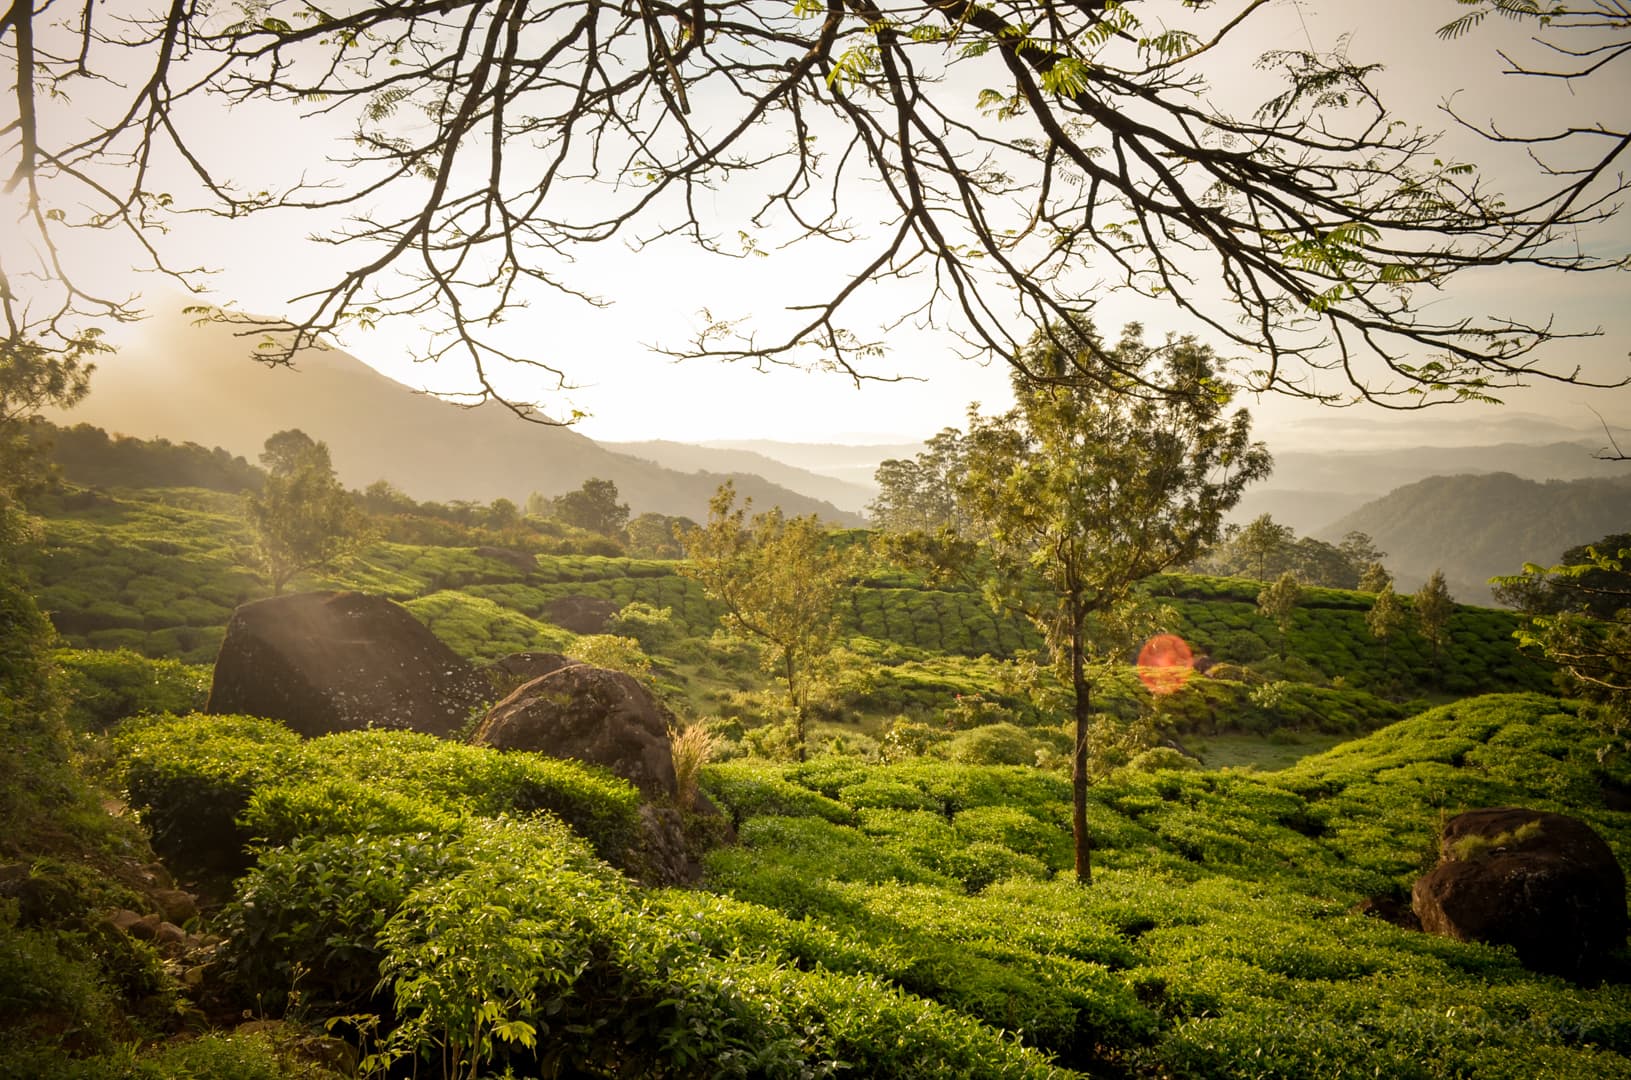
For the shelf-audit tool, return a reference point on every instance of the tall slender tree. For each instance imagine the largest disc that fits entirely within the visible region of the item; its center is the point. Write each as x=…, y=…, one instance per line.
x=1091, y=484
x=1279, y=602
x=1385, y=619
x=303, y=518
x=778, y=579
x=1263, y=540
x=1434, y=606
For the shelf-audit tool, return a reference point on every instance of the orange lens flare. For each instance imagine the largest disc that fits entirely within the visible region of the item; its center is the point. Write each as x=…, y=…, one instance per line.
x=1165, y=663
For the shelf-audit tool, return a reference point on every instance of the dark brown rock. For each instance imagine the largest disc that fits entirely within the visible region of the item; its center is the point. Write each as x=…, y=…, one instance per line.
x=145, y=927
x=337, y=661
x=581, y=614
x=1544, y=883
x=175, y=905
x=1389, y=909
x=590, y=714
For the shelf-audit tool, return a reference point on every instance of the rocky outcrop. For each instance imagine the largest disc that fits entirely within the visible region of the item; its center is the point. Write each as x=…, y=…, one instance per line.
x=1544, y=883
x=581, y=614
x=511, y=671
x=337, y=661
x=590, y=714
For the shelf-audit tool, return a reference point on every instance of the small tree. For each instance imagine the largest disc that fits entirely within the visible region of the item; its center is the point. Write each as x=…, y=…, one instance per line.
x=1263, y=540
x=1434, y=606
x=303, y=519
x=1278, y=602
x=1384, y=619
x=1091, y=484
x=594, y=507
x=1580, y=620
x=779, y=580
x=1375, y=578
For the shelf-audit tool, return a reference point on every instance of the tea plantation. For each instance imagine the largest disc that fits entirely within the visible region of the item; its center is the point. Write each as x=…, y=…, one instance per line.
x=386, y=904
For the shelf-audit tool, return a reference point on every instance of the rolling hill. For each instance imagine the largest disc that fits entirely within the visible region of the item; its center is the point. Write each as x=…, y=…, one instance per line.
x=690, y=457
x=198, y=387
x=1474, y=527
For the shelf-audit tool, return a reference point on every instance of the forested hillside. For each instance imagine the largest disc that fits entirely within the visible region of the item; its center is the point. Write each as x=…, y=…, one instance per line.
x=196, y=386
x=1475, y=527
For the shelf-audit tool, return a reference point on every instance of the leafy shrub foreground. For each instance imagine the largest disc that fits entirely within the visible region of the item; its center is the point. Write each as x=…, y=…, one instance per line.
x=907, y=920
x=1215, y=940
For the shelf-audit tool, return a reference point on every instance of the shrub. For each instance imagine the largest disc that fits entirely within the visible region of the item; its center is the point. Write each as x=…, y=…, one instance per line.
x=190, y=778
x=306, y=919
x=994, y=744
x=106, y=687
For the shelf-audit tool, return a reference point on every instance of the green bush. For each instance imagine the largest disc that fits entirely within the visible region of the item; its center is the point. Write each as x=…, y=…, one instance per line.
x=106, y=687
x=191, y=778
x=994, y=744
x=305, y=923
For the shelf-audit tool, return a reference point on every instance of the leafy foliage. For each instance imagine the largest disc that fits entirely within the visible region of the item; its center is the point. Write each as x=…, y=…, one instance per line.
x=1088, y=487
x=777, y=579
x=302, y=518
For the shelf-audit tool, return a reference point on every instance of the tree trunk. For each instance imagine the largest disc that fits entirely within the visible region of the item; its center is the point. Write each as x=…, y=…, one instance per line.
x=1078, y=774
x=798, y=703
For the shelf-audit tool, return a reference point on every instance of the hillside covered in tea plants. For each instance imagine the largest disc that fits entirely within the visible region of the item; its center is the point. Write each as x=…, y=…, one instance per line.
x=901, y=903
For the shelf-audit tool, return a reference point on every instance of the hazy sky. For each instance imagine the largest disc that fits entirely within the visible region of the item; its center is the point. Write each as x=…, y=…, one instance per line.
x=629, y=393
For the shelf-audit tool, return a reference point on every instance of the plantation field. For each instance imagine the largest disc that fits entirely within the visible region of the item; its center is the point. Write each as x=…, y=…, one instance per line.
x=914, y=919
x=901, y=904
x=160, y=572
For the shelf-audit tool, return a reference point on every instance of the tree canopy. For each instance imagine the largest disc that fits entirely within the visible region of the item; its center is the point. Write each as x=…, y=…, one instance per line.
x=594, y=507
x=778, y=580
x=1087, y=487
x=302, y=517
x=1022, y=158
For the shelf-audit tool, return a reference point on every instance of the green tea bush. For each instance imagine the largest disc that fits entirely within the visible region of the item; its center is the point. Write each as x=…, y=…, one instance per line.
x=531, y=953
x=745, y=789
x=211, y=1056
x=106, y=687
x=190, y=779
x=304, y=926
x=879, y=1030
x=205, y=786
x=994, y=744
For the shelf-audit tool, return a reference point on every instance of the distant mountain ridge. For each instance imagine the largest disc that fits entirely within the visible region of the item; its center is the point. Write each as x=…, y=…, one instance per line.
x=197, y=385
x=693, y=457
x=1477, y=526
x=1310, y=490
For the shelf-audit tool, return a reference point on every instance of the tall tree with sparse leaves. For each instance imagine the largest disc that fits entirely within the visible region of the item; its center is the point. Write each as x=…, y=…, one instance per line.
x=1262, y=540
x=1384, y=619
x=1375, y=578
x=1434, y=606
x=303, y=518
x=1090, y=484
x=1278, y=602
x=779, y=580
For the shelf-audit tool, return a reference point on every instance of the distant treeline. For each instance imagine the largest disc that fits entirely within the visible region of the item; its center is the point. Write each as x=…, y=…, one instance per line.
x=87, y=455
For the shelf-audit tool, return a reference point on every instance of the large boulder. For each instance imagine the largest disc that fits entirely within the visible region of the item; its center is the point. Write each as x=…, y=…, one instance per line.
x=511, y=671
x=591, y=714
x=581, y=614
x=1544, y=883
x=337, y=661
